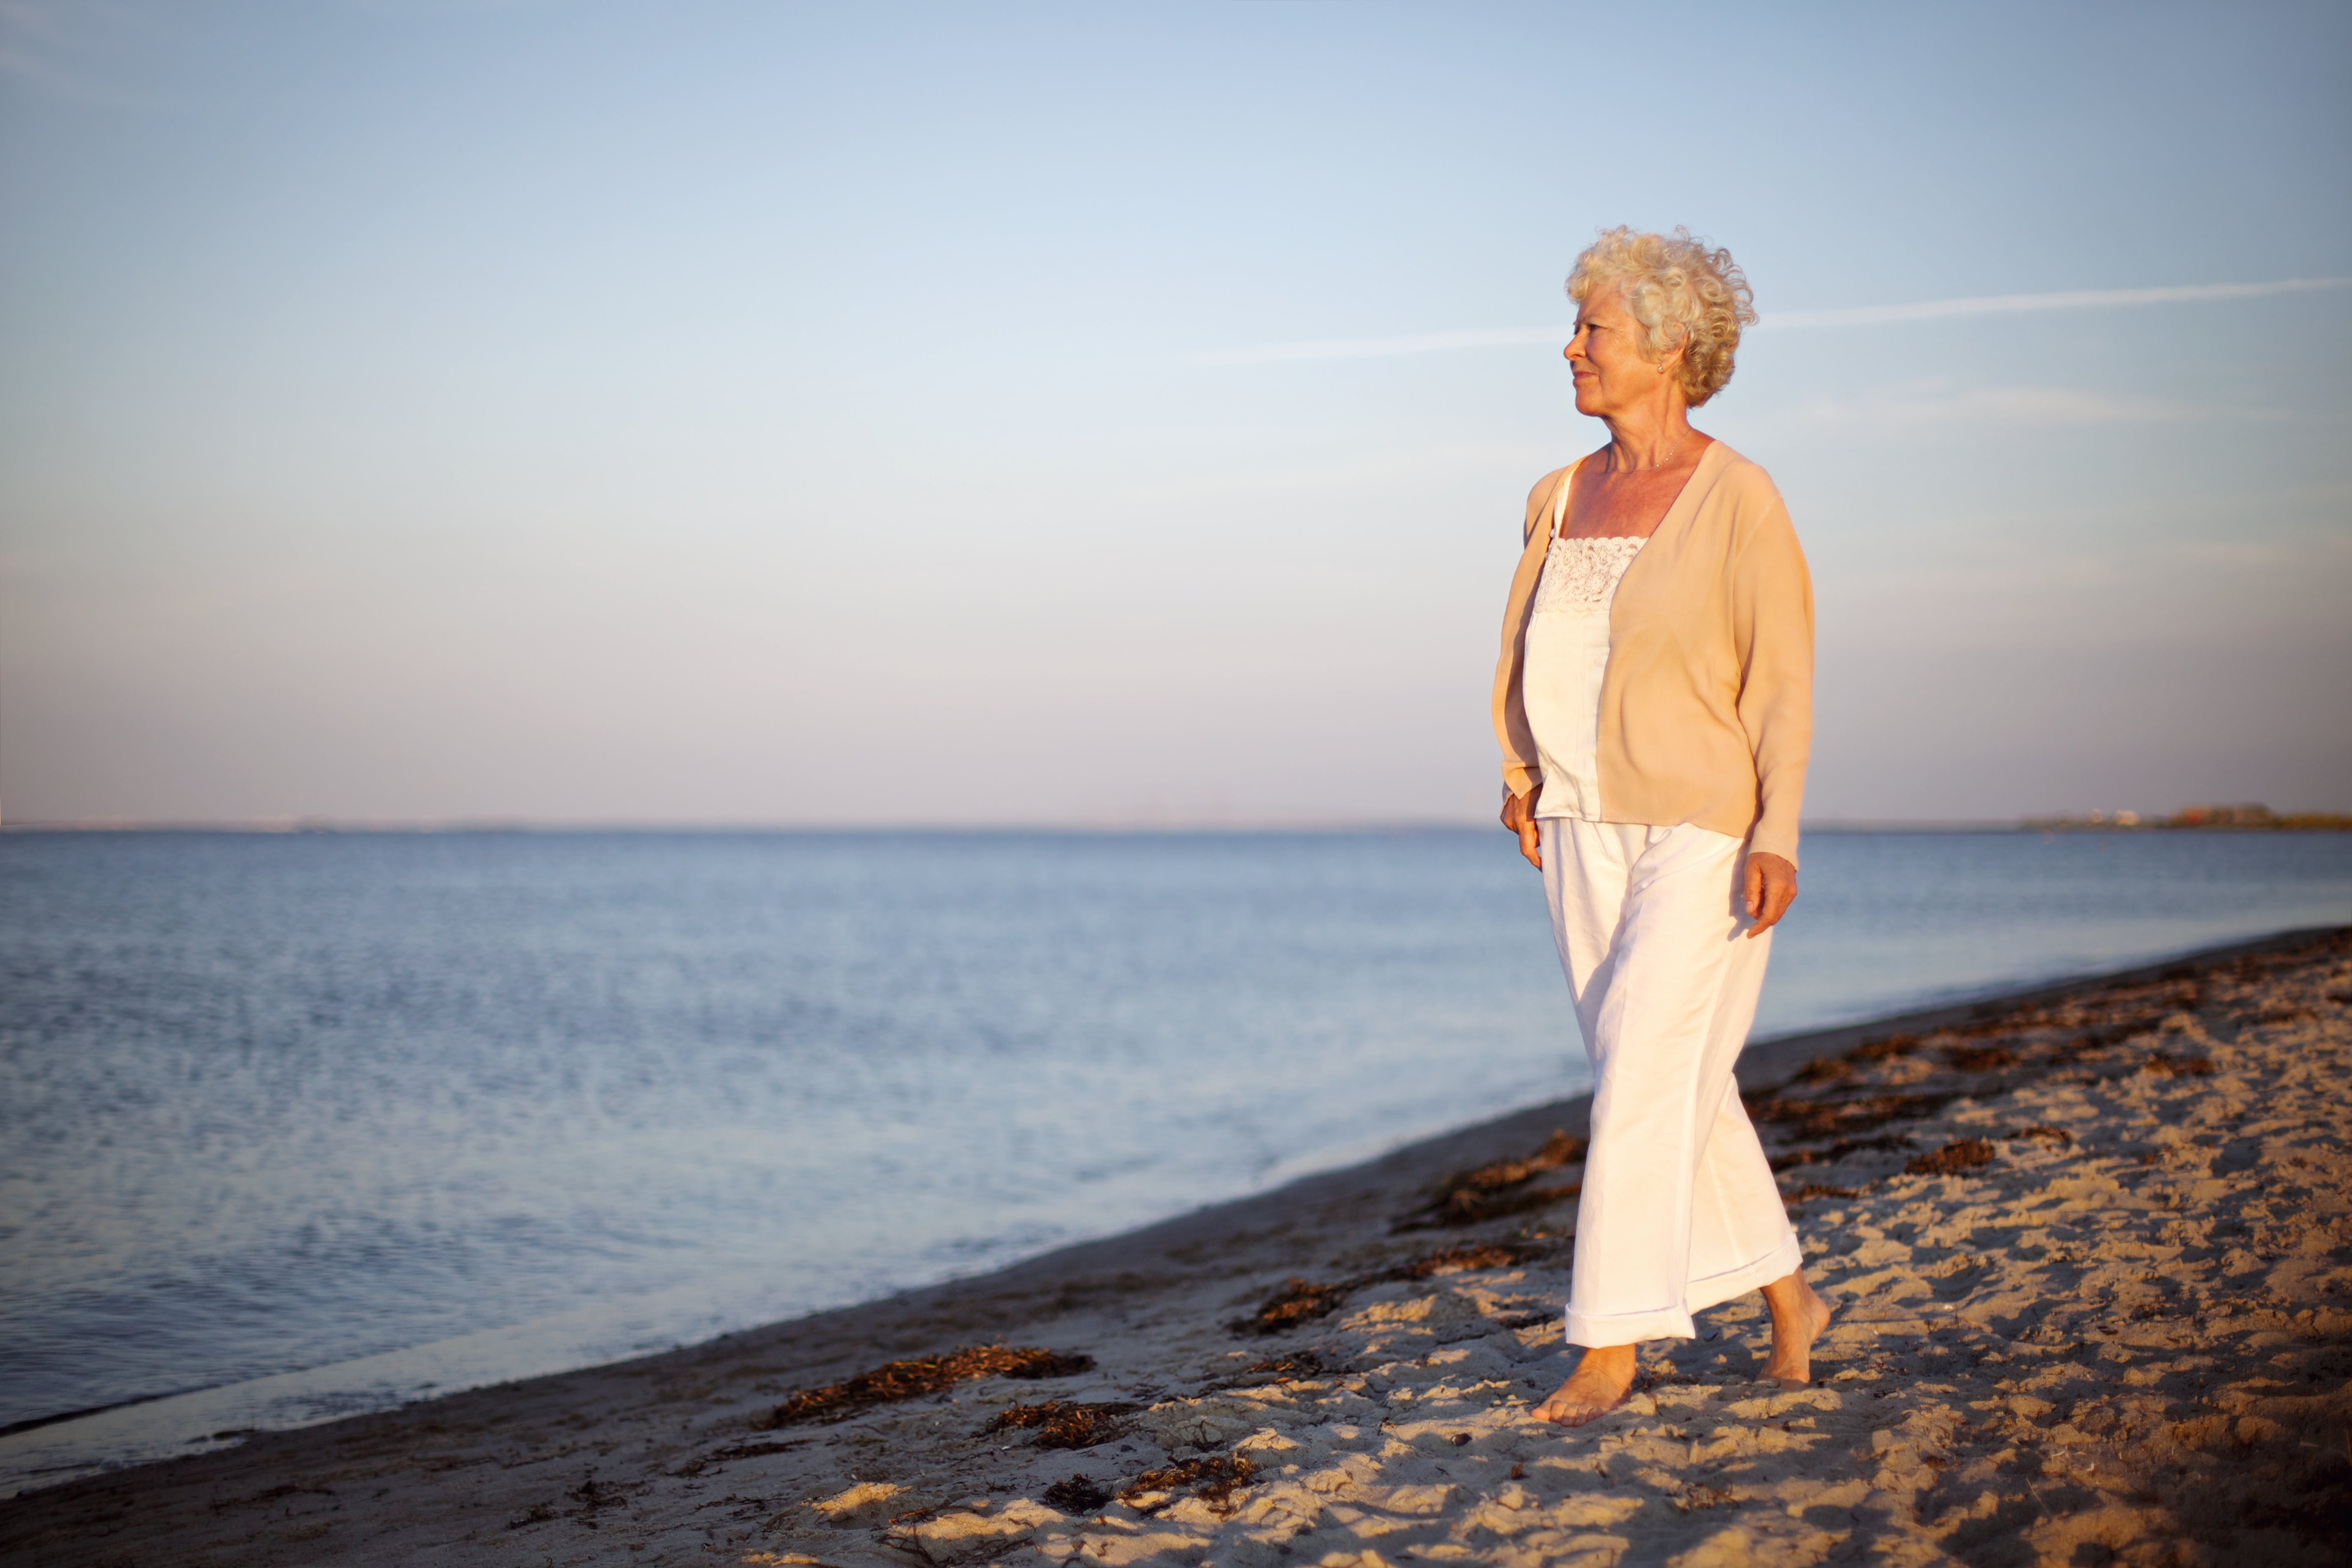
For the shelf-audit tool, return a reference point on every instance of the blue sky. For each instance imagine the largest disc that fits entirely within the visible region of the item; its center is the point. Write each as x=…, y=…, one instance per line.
x=828, y=415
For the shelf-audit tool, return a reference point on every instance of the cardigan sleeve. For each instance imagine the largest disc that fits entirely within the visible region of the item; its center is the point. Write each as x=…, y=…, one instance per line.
x=1772, y=629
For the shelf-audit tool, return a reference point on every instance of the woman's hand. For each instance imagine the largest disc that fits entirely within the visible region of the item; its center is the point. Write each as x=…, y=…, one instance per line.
x=1520, y=817
x=1771, y=888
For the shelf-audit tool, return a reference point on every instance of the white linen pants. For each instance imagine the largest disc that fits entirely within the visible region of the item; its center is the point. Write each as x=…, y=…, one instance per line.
x=1679, y=1211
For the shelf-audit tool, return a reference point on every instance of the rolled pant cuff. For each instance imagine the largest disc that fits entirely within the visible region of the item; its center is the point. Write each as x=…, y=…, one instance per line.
x=1629, y=1328
x=1779, y=1264
x=1633, y=1328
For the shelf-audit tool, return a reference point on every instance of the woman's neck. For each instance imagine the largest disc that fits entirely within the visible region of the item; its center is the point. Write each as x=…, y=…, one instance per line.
x=1647, y=438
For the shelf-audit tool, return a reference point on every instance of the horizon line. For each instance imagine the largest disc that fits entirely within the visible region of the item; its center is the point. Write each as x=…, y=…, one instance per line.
x=1787, y=320
x=285, y=825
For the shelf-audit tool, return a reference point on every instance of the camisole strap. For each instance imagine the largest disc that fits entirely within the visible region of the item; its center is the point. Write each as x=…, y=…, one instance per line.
x=1559, y=496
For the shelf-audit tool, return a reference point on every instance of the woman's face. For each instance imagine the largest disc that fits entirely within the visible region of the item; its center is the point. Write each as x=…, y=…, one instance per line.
x=1605, y=356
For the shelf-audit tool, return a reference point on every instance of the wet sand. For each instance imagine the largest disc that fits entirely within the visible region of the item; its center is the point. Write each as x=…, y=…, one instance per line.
x=2090, y=1250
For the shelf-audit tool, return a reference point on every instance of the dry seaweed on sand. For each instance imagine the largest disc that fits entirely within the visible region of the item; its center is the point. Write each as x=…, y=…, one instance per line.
x=1294, y=1368
x=1062, y=1424
x=1213, y=1479
x=1812, y=1189
x=1961, y=1155
x=2166, y=1065
x=1491, y=1192
x=1838, y=1151
x=1503, y=1188
x=1811, y=1119
x=913, y=1378
x=1298, y=1301
x=1303, y=1301
x=1892, y=1046
x=1494, y=1254
x=1078, y=1495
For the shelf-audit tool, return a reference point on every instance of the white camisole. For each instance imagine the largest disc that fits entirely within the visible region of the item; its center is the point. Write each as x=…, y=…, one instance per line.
x=1567, y=654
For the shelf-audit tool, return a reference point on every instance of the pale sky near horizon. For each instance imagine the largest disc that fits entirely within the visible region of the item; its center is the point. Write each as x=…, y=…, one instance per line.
x=562, y=411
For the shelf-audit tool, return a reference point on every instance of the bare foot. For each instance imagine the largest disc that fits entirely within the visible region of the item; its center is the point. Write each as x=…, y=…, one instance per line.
x=1799, y=1316
x=1599, y=1384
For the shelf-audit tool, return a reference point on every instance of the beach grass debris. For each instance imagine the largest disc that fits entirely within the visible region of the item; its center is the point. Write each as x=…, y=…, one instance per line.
x=1212, y=1477
x=1062, y=1424
x=919, y=1376
x=1078, y=1495
x=1956, y=1158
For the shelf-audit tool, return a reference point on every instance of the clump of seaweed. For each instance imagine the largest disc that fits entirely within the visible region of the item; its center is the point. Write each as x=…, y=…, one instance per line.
x=1953, y=1158
x=738, y=1451
x=1076, y=1494
x=2057, y=1135
x=1060, y=1424
x=913, y=1378
x=1882, y=1050
x=1838, y=1151
x=1492, y=1192
x=1493, y=1255
x=1812, y=1189
x=1296, y=1367
x=1298, y=1301
x=2166, y=1065
x=1836, y=1117
x=1292, y=1368
x=1980, y=1059
x=1212, y=1477
x=1303, y=1301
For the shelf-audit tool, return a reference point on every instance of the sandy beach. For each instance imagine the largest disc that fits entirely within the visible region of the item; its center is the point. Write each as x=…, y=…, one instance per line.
x=2090, y=1251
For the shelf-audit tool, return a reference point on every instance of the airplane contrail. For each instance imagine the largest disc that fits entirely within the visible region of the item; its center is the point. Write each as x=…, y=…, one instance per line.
x=1784, y=321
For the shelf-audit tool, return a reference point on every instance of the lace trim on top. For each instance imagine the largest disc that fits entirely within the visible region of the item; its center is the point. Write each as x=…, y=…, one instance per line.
x=1580, y=575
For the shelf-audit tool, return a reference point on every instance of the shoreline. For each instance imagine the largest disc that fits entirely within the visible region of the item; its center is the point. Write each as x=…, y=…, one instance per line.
x=1166, y=1294
x=1763, y=1064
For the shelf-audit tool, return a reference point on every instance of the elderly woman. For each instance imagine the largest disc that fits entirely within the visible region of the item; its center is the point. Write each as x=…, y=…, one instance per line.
x=1654, y=707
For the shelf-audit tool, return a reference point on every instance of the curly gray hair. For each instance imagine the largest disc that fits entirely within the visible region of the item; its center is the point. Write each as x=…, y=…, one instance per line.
x=1685, y=295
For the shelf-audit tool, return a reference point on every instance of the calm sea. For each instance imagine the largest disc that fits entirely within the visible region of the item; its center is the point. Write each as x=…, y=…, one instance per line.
x=297, y=1126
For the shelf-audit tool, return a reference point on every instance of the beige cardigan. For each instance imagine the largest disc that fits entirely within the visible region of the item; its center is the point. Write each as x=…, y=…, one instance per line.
x=1707, y=707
